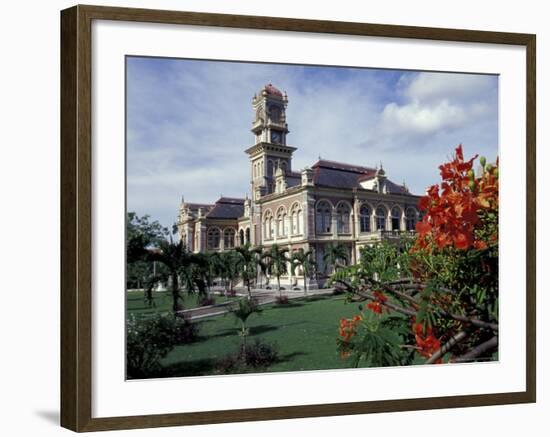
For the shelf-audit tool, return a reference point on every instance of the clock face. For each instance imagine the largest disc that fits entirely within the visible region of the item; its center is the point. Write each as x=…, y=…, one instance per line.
x=275, y=137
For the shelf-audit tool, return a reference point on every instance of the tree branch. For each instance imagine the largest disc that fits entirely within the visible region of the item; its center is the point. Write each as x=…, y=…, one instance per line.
x=475, y=322
x=478, y=350
x=455, y=339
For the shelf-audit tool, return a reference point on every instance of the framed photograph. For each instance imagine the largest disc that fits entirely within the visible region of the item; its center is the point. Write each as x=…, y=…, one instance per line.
x=268, y=218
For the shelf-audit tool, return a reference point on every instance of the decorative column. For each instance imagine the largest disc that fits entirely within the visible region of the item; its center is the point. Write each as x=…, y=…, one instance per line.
x=308, y=216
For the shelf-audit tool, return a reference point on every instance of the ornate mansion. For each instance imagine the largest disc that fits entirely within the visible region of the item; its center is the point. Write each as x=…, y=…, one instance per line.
x=327, y=203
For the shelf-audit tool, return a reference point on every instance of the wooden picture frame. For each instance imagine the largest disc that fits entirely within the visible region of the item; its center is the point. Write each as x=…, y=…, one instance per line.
x=76, y=217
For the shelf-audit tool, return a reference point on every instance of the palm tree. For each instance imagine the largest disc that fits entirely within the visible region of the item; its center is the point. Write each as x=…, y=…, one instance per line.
x=230, y=266
x=214, y=267
x=304, y=260
x=175, y=257
x=248, y=264
x=246, y=308
x=334, y=254
x=150, y=283
x=276, y=261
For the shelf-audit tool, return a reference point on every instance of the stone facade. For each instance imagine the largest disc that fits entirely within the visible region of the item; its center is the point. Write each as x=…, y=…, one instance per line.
x=327, y=203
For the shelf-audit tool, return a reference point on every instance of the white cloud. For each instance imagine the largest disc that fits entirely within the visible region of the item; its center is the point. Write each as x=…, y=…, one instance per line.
x=435, y=86
x=188, y=125
x=423, y=118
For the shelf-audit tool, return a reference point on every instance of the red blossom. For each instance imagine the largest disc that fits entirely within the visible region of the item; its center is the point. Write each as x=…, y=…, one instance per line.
x=452, y=209
x=426, y=341
x=348, y=327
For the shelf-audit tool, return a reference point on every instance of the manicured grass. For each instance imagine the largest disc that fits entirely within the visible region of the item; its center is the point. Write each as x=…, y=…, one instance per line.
x=137, y=304
x=305, y=332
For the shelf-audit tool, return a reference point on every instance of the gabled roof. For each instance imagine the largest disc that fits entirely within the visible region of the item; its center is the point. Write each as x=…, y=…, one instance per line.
x=227, y=208
x=194, y=207
x=339, y=175
x=335, y=174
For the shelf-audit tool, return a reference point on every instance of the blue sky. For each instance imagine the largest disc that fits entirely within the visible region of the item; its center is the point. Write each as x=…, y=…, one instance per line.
x=188, y=124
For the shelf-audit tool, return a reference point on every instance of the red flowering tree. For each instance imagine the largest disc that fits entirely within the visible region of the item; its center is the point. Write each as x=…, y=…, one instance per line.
x=434, y=298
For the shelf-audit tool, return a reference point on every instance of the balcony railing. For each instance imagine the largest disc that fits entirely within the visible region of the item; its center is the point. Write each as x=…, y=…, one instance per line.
x=395, y=233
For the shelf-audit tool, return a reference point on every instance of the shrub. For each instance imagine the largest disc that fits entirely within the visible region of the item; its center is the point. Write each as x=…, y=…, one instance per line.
x=206, y=301
x=147, y=342
x=150, y=340
x=185, y=331
x=281, y=300
x=258, y=355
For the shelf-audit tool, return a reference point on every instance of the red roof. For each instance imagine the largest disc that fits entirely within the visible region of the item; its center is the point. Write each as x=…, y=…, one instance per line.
x=272, y=90
x=334, y=165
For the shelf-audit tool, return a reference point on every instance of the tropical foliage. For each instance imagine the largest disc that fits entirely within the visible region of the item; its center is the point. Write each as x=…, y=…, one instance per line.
x=303, y=260
x=335, y=257
x=435, y=300
x=276, y=260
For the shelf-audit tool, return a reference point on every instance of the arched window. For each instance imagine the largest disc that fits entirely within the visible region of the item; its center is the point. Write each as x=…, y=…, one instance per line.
x=395, y=219
x=247, y=235
x=343, y=216
x=213, y=238
x=323, y=217
x=380, y=218
x=410, y=219
x=296, y=219
x=268, y=225
x=241, y=237
x=283, y=167
x=270, y=167
x=364, y=218
x=229, y=238
x=281, y=223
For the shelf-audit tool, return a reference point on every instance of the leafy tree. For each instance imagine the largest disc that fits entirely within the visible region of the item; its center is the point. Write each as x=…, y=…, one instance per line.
x=439, y=295
x=336, y=256
x=142, y=234
x=276, y=260
x=304, y=260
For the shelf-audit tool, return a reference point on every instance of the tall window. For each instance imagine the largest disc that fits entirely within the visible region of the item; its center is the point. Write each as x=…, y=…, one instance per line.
x=281, y=225
x=241, y=237
x=343, y=216
x=395, y=219
x=364, y=218
x=323, y=217
x=380, y=218
x=213, y=238
x=229, y=238
x=410, y=219
x=268, y=226
x=296, y=219
x=247, y=235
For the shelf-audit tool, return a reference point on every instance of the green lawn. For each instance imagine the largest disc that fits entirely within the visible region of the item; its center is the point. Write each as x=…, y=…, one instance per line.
x=137, y=304
x=305, y=332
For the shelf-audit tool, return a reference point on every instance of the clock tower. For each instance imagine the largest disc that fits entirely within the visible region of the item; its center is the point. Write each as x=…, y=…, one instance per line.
x=270, y=150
